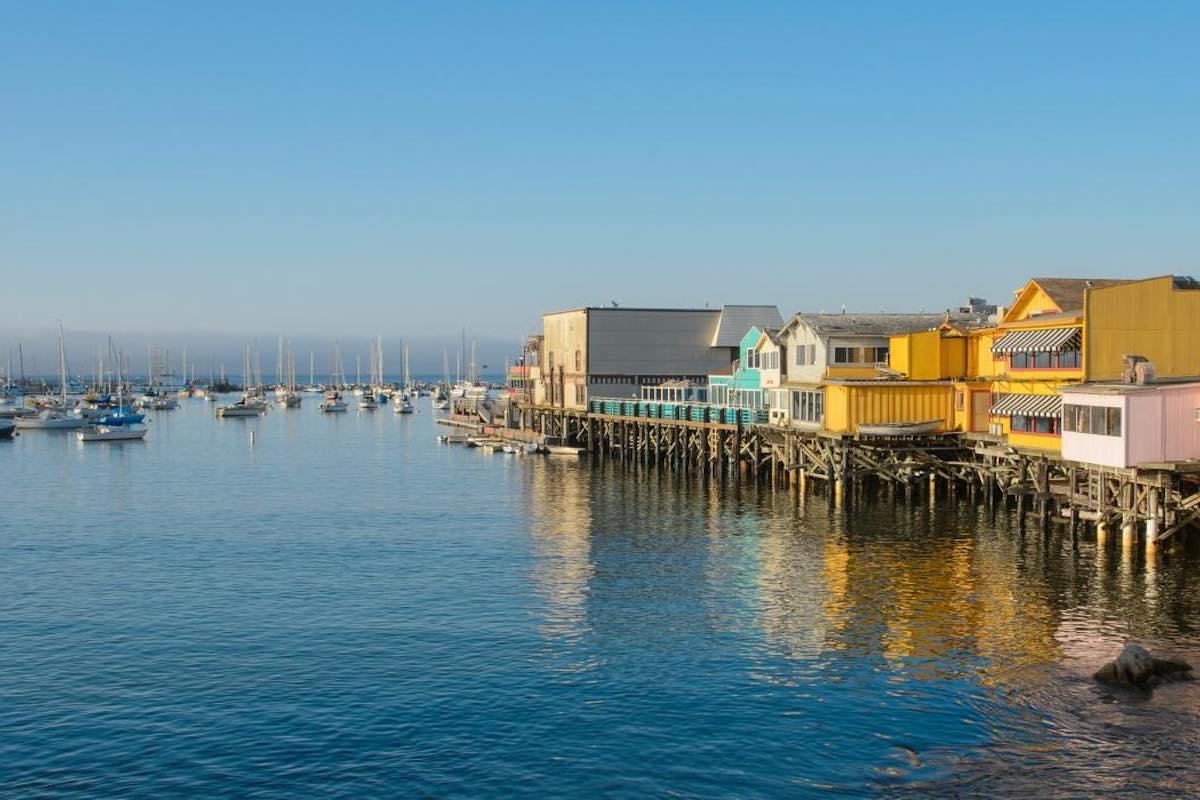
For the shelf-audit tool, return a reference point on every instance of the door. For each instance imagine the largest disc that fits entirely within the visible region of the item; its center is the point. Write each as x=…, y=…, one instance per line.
x=981, y=411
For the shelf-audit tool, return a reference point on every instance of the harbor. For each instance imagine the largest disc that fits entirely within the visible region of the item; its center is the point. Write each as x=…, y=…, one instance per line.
x=371, y=577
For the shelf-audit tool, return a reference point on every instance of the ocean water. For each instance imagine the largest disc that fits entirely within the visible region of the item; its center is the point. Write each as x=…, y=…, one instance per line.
x=306, y=605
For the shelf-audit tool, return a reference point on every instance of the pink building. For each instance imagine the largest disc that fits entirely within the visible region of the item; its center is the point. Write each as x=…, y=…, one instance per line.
x=1129, y=425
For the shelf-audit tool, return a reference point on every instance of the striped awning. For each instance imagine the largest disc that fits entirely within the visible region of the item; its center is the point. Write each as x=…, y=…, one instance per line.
x=1027, y=405
x=1052, y=340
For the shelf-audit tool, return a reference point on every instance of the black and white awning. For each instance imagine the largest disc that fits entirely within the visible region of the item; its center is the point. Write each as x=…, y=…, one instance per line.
x=1027, y=405
x=1052, y=340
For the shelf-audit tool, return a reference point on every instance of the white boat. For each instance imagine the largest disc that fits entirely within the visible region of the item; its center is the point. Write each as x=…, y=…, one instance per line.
x=367, y=404
x=164, y=402
x=55, y=418
x=246, y=407
x=333, y=403
x=901, y=428
x=51, y=420
x=104, y=433
x=404, y=406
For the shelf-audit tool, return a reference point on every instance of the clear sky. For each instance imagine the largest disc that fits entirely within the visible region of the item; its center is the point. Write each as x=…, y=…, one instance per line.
x=408, y=167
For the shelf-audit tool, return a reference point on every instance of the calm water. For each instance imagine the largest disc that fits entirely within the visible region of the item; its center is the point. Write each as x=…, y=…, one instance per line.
x=342, y=607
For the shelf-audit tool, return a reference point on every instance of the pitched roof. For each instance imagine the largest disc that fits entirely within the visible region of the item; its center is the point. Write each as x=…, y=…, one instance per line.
x=869, y=324
x=736, y=320
x=1067, y=293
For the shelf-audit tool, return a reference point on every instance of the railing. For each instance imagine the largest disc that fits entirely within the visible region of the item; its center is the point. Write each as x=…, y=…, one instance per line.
x=689, y=411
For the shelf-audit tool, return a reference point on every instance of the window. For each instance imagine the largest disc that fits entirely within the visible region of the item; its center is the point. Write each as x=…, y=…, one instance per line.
x=847, y=355
x=578, y=361
x=879, y=354
x=801, y=355
x=808, y=406
x=550, y=360
x=959, y=400
x=1067, y=359
x=1023, y=424
x=579, y=393
x=1094, y=420
x=1071, y=418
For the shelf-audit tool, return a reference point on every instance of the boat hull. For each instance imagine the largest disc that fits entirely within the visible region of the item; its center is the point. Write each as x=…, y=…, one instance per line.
x=901, y=428
x=104, y=434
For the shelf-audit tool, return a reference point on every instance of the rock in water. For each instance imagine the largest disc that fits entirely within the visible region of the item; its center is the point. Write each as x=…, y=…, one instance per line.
x=1136, y=667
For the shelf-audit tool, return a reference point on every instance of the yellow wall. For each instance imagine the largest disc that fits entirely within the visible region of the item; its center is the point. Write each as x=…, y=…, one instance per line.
x=928, y=355
x=849, y=405
x=980, y=361
x=961, y=419
x=1149, y=318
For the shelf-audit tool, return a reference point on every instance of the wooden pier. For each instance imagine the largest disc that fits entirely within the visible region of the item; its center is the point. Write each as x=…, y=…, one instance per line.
x=1153, y=502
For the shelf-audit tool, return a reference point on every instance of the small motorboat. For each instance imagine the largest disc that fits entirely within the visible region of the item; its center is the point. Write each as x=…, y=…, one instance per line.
x=105, y=433
x=404, y=405
x=7, y=429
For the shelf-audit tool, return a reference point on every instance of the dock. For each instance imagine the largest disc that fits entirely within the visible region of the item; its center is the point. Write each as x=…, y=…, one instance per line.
x=1152, y=502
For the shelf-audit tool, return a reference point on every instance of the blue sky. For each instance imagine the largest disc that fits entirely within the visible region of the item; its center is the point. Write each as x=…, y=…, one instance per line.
x=407, y=168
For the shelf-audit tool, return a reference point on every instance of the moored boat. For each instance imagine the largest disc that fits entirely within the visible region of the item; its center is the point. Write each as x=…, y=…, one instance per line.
x=901, y=428
x=7, y=429
x=106, y=433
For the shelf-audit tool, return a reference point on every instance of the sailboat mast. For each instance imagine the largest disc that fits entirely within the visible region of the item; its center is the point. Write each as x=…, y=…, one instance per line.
x=62, y=366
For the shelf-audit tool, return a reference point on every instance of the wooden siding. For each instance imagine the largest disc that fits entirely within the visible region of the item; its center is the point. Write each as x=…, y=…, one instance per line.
x=1150, y=318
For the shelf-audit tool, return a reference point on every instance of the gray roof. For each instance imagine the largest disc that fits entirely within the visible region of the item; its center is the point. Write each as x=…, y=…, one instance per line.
x=870, y=324
x=736, y=320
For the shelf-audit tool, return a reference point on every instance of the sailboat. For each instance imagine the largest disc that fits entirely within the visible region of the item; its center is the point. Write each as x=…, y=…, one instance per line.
x=282, y=387
x=122, y=428
x=290, y=397
x=405, y=405
x=252, y=403
x=211, y=393
x=60, y=418
x=333, y=402
x=441, y=400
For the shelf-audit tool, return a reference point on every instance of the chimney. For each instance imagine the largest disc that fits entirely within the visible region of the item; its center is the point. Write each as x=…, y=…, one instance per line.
x=1144, y=373
x=1134, y=372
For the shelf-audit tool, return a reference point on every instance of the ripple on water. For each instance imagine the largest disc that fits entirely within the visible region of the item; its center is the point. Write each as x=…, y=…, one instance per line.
x=344, y=608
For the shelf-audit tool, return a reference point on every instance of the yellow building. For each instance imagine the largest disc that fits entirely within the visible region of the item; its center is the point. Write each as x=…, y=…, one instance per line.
x=955, y=356
x=1157, y=318
x=1037, y=349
